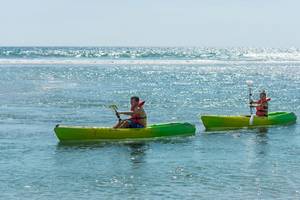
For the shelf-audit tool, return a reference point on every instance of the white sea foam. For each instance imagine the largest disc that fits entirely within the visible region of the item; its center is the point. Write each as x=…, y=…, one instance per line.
x=136, y=62
x=145, y=56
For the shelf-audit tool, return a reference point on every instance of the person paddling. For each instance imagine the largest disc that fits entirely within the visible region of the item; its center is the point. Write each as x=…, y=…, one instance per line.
x=261, y=105
x=138, y=117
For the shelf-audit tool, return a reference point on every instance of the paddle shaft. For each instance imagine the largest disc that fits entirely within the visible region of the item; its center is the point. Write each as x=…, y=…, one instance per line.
x=250, y=99
x=117, y=114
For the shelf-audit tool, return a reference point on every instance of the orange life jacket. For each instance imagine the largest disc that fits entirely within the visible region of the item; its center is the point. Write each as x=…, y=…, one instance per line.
x=136, y=118
x=262, y=110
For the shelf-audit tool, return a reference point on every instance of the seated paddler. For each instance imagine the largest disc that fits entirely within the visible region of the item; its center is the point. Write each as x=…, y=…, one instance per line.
x=261, y=105
x=137, y=115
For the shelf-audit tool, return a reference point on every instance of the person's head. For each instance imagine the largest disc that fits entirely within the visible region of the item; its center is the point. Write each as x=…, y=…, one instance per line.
x=263, y=94
x=134, y=101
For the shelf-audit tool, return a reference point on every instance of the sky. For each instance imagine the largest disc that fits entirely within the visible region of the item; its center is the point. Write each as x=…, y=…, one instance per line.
x=210, y=23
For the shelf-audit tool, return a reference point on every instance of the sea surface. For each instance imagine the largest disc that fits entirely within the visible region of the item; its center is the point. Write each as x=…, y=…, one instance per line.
x=44, y=86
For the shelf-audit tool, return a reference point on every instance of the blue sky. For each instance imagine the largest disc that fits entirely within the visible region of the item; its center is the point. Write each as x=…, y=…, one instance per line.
x=211, y=23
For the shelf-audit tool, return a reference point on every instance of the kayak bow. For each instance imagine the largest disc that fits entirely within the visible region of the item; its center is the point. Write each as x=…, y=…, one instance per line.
x=223, y=122
x=81, y=133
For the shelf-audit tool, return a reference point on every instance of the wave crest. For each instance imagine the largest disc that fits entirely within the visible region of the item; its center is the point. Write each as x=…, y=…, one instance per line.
x=154, y=53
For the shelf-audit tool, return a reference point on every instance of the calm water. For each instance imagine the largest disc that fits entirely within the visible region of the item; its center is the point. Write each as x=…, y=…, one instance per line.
x=41, y=87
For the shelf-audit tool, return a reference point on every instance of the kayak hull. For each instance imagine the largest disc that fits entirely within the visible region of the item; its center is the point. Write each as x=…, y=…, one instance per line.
x=222, y=122
x=81, y=133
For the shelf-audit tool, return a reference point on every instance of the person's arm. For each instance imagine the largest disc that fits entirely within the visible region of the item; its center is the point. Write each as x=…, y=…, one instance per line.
x=126, y=113
x=137, y=111
x=256, y=104
x=253, y=103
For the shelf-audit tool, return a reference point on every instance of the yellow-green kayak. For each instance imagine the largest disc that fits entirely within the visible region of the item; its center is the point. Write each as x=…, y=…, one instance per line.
x=223, y=122
x=81, y=133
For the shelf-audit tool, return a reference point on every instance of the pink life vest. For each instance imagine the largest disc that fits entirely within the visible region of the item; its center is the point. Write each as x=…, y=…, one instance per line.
x=262, y=110
x=136, y=117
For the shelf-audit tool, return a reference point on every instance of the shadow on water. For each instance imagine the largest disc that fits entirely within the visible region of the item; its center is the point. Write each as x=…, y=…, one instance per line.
x=113, y=153
x=131, y=143
x=261, y=137
x=255, y=140
x=136, y=146
x=260, y=130
x=138, y=152
x=134, y=151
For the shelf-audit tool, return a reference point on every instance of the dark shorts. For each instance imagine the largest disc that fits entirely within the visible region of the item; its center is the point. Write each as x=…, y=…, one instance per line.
x=133, y=124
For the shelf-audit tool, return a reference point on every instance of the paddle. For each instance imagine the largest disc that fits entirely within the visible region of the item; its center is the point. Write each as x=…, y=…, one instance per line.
x=250, y=84
x=115, y=108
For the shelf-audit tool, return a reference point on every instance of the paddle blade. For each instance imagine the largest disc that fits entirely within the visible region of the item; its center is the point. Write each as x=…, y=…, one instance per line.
x=251, y=120
x=249, y=82
x=114, y=107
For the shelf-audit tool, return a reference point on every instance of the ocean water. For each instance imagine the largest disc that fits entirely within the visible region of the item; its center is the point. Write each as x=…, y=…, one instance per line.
x=44, y=86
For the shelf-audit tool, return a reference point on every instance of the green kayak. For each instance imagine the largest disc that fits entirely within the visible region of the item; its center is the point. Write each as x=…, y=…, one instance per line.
x=81, y=133
x=223, y=122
